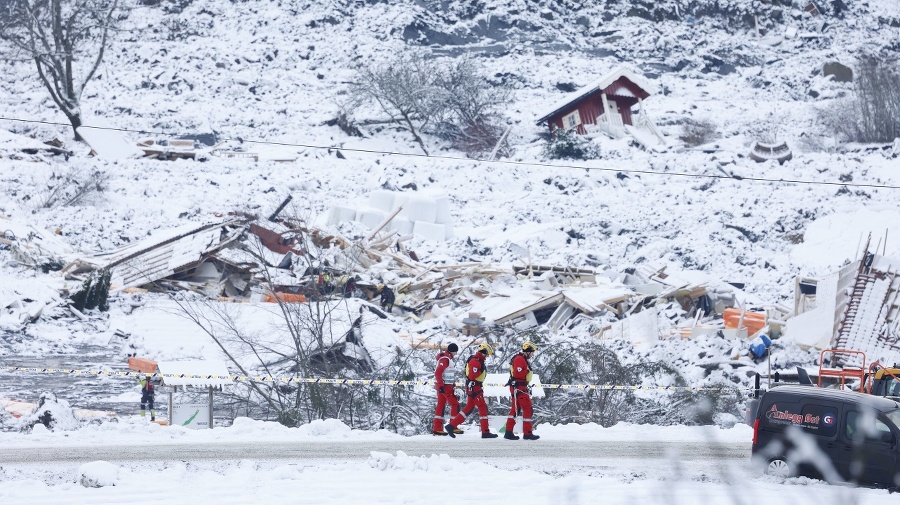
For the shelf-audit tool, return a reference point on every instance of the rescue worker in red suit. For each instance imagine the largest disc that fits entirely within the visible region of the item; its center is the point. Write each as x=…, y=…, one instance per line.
x=520, y=394
x=445, y=380
x=476, y=372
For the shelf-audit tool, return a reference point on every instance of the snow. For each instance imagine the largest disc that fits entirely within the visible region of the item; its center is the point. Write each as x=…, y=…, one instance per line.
x=395, y=476
x=268, y=77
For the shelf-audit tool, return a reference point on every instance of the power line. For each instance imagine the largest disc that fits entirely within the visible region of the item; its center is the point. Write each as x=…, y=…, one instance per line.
x=499, y=162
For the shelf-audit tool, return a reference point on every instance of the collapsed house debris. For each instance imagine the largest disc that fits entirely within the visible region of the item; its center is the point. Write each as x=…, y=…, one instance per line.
x=241, y=258
x=856, y=308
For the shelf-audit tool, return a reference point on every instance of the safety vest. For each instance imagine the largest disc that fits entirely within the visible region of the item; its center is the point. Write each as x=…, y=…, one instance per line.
x=476, y=371
x=519, y=371
x=448, y=374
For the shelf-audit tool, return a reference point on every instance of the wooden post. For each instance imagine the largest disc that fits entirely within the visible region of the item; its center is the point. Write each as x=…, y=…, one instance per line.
x=499, y=143
x=210, y=407
x=384, y=223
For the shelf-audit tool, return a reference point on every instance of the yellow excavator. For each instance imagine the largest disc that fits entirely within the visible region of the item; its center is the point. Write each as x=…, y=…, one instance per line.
x=883, y=381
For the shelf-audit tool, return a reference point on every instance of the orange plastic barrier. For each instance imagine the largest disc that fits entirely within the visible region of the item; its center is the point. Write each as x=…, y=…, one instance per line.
x=753, y=321
x=284, y=297
x=143, y=365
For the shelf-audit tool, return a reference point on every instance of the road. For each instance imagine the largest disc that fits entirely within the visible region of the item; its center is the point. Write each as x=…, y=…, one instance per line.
x=570, y=451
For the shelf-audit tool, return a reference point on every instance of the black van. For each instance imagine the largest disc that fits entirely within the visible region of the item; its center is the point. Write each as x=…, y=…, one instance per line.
x=838, y=436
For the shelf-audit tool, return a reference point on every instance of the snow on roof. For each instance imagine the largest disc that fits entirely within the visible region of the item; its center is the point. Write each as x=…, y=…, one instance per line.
x=171, y=250
x=201, y=373
x=601, y=83
x=591, y=299
x=500, y=307
x=109, y=144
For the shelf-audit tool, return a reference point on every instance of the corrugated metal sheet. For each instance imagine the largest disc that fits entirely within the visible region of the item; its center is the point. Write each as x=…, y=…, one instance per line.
x=164, y=254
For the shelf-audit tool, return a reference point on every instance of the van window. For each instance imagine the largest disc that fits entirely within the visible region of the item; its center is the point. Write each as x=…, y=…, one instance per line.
x=894, y=417
x=866, y=427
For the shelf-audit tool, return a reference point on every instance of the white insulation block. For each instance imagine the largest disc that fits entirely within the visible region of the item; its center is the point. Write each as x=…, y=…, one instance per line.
x=420, y=209
x=383, y=200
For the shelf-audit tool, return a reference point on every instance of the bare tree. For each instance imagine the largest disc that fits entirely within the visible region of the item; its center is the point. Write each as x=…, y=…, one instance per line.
x=405, y=89
x=453, y=100
x=66, y=39
x=877, y=102
x=872, y=114
x=473, y=107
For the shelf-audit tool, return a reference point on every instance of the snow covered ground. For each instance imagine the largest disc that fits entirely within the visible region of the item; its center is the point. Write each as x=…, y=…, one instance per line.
x=397, y=476
x=270, y=77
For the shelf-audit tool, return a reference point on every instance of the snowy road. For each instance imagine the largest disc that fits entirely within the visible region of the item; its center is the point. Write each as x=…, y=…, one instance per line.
x=462, y=447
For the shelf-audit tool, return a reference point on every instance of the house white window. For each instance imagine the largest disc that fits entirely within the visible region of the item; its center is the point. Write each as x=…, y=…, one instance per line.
x=572, y=120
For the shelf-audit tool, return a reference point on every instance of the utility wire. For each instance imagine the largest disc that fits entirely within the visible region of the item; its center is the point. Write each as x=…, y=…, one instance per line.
x=499, y=162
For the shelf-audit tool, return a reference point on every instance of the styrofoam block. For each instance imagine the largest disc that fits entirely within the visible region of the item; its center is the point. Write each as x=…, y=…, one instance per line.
x=442, y=207
x=383, y=200
x=371, y=217
x=340, y=214
x=430, y=231
x=422, y=209
x=401, y=225
x=400, y=199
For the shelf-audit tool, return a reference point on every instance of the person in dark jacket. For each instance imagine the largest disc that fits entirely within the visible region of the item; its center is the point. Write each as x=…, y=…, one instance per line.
x=147, y=393
x=387, y=297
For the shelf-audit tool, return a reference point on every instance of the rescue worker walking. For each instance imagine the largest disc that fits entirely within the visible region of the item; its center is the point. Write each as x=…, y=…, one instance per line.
x=520, y=394
x=476, y=372
x=147, y=393
x=445, y=381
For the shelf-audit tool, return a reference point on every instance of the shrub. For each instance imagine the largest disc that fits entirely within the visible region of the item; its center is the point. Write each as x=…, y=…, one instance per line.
x=567, y=144
x=94, y=293
x=698, y=132
x=872, y=115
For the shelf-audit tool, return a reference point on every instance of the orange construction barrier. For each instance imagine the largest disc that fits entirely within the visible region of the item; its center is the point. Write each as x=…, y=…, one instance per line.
x=284, y=297
x=753, y=321
x=143, y=365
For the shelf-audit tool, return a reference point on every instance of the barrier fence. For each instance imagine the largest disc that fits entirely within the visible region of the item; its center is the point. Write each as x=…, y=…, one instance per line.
x=340, y=381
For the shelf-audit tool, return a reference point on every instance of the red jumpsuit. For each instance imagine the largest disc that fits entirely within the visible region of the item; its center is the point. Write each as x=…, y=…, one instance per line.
x=476, y=372
x=520, y=373
x=444, y=377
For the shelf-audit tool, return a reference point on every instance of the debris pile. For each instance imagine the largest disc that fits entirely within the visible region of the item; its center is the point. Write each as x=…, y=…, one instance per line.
x=242, y=258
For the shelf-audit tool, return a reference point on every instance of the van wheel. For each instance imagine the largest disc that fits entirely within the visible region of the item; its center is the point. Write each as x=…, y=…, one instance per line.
x=778, y=467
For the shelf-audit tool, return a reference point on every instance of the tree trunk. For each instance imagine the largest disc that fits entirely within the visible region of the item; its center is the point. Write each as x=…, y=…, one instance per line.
x=75, y=119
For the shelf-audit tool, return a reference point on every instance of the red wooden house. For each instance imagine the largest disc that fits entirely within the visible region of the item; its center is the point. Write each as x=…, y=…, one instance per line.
x=613, y=104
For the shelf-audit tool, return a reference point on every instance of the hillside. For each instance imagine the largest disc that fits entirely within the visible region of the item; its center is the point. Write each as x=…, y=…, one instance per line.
x=276, y=72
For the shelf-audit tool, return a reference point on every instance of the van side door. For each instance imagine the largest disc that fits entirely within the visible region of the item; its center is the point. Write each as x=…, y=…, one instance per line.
x=870, y=455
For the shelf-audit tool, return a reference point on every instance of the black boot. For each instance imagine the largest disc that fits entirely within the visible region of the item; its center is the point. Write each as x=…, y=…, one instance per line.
x=488, y=434
x=530, y=436
x=451, y=430
x=510, y=436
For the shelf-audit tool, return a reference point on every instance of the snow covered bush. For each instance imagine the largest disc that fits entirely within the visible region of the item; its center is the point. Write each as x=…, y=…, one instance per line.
x=696, y=132
x=94, y=293
x=875, y=109
x=567, y=144
x=52, y=413
x=73, y=186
